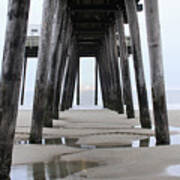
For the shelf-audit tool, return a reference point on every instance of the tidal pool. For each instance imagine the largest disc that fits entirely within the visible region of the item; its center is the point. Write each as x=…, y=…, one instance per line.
x=51, y=170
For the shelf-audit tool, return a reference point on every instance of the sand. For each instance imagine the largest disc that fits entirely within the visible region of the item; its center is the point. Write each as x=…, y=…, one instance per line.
x=101, y=128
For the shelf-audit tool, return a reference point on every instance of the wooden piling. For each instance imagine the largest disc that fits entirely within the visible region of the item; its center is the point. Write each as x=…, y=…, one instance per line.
x=157, y=72
x=40, y=100
x=13, y=56
x=102, y=82
x=59, y=27
x=105, y=77
x=115, y=93
x=66, y=40
x=125, y=66
x=73, y=81
x=24, y=80
x=96, y=84
x=78, y=84
x=68, y=79
x=138, y=64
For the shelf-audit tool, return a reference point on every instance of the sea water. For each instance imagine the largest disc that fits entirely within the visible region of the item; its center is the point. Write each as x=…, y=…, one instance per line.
x=87, y=100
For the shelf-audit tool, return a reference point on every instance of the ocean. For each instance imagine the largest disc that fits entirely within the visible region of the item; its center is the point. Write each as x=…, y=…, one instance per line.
x=87, y=100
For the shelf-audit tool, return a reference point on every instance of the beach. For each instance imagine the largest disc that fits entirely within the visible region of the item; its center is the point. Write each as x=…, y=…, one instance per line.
x=102, y=143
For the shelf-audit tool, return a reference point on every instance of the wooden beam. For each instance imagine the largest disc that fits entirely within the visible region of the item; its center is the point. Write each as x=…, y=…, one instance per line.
x=157, y=72
x=89, y=32
x=12, y=64
x=94, y=8
x=138, y=64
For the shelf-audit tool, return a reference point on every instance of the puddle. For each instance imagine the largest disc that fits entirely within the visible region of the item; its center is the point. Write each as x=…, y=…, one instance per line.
x=174, y=139
x=72, y=142
x=52, y=141
x=51, y=170
x=173, y=170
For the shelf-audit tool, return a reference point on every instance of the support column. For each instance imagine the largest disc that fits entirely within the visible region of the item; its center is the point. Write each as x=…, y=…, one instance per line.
x=96, y=83
x=138, y=63
x=78, y=83
x=13, y=56
x=59, y=28
x=39, y=103
x=125, y=66
x=68, y=78
x=73, y=81
x=105, y=78
x=67, y=37
x=157, y=72
x=102, y=81
x=115, y=70
x=24, y=80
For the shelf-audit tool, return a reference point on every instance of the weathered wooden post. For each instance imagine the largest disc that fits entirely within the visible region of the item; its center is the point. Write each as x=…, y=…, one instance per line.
x=115, y=70
x=66, y=40
x=96, y=83
x=42, y=72
x=125, y=66
x=67, y=83
x=157, y=72
x=78, y=83
x=105, y=78
x=58, y=88
x=59, y=27
x=73, y=81
x=24, y=80
x=103, y=84
x=138, y=63
x=11, y=79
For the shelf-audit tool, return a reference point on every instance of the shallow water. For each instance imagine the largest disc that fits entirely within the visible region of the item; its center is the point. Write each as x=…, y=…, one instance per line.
x=52, y=170
x=174, y=139
x=72, y=143
x=173, y=170
x=146, y=142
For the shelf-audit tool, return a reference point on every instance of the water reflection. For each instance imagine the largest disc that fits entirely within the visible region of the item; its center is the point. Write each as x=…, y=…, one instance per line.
x=52, y=141
x=174, y=170
x=51, y=170
x=72, y=142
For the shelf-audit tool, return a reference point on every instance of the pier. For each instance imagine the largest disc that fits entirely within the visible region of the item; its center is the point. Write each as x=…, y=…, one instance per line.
x=70, y=30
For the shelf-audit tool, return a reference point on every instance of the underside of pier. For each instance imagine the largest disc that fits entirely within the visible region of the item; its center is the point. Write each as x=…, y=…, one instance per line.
x=70, y=30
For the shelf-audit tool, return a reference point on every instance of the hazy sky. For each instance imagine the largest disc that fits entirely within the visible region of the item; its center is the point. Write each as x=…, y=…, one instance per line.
x=170, y=27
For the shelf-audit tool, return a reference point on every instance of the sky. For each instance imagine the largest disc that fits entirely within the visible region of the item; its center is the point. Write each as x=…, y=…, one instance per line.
x=170, y=28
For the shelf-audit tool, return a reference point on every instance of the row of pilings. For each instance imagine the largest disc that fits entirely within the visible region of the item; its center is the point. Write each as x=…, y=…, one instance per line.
x=58, y=69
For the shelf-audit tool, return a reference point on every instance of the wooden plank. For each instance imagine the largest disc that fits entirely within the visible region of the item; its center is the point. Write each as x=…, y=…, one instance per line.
x=138, y=64
x=12, y=64
x=157, y=72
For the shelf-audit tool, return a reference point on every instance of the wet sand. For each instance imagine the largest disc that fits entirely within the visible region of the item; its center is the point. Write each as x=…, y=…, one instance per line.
x=103, y=137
